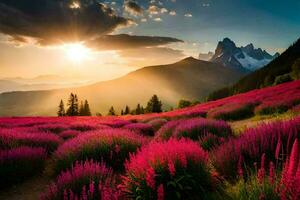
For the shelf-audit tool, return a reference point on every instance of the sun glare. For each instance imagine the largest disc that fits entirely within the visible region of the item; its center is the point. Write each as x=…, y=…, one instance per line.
x=76, y=52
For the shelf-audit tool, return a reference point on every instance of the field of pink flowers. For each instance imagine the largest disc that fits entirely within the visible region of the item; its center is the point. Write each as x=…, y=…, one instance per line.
x=190, y=153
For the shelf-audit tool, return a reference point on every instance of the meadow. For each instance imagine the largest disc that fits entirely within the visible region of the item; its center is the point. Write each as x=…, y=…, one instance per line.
x=191, y=153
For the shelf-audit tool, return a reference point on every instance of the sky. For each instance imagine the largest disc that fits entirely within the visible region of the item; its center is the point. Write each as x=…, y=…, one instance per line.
x=101, y=40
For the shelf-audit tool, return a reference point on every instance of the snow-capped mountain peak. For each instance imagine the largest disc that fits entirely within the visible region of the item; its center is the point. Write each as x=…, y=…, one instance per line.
x=241, y=58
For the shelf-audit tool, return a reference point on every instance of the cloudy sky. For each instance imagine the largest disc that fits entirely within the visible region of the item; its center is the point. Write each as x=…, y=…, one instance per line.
x=98, y=40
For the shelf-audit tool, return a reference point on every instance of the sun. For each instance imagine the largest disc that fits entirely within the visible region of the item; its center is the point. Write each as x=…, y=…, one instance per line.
x=76, y=52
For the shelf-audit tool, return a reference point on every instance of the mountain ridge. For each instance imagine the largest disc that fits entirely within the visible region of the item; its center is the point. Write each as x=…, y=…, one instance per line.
x=241, y=58
x=189, y=78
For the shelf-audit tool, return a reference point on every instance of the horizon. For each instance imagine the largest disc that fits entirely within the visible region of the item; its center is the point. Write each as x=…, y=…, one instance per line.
x=165, y=31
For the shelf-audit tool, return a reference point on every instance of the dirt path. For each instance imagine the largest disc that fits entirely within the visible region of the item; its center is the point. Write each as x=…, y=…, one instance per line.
x=29, y=190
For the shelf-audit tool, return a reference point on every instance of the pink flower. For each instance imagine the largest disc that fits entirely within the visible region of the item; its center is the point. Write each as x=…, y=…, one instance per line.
x=261, y=171
x=294, y=158
x=171, y=168
x=160, y=192
x=150, y=175
x=91, y=188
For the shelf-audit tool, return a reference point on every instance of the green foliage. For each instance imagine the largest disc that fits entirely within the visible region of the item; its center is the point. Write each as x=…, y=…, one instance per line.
x=73, y=109
x=253, y=190
x=242, y=112
x=98, y=114
x=127, y=110
x=219, y=94
x=154, y=105
x=111, y=112
x=296, y=69
x=282, y=79
x=61, y=109
x=276, y=109
x=84, y=109
x=184, y=103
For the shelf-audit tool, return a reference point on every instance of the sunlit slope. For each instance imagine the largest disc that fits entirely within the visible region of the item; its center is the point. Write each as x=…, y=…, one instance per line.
x=189, y=78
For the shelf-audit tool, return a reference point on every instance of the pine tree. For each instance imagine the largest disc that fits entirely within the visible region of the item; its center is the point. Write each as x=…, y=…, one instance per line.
x=81, y=109
x=127, y=110
x=138, y=110
x=122, y=112
x=61, y=109
x=111, y=111
x=86, y=108
x=154, y=105
x=73, y=105
x=142, y=110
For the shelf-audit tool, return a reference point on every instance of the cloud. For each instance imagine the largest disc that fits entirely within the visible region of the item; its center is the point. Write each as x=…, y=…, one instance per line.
x=133, y=8
x=163, y=10
x=172, y=13
x=153, y=10
x=54, y=22
x=152, y=56
x=124, y=41
x=188, y=15
x=157, y=19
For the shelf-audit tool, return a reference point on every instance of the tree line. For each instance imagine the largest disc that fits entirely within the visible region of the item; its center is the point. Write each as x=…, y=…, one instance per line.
x=74, y=108
x=154, y=105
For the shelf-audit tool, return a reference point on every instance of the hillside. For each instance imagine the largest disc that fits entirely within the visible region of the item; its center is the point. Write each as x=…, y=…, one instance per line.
x=265, y=76
x=189, y=78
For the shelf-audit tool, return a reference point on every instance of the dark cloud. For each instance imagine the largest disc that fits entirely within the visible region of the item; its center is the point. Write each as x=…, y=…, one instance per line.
x=57, y=21
x=133, y=8
x=124, y=41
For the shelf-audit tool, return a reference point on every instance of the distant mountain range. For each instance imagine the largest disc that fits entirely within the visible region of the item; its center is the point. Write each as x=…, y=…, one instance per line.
x=281, y=66
x=190, y=79
x=43, y=82
x=245, y=58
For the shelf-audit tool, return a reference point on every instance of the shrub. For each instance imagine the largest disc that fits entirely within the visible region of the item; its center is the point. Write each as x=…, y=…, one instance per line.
x=116, y=123
x=85, y=180
x=267, y=184
x=296, y=109
x=69, y=134
x=169, y=170
x=273, y=139
x=140, y=128
x=20, y=163
x=233, y=112
x=157, y=123
x=274, y=107
x=110, y=145
x=209, y=141
x=13, y=138
x=87, y=127
x=282, y=79
x=197, y=127
x=189, y=113
x=271, y=108
x=53, y=128
x=166, y=131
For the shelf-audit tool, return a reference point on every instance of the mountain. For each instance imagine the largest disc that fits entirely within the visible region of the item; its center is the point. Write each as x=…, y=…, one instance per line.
x=206, y=56
x=189, y=78
x=42, y=82
x=279, y=67
x=241, y=58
